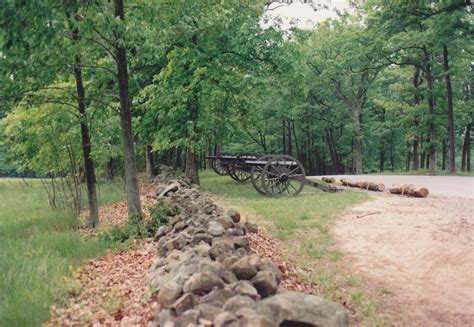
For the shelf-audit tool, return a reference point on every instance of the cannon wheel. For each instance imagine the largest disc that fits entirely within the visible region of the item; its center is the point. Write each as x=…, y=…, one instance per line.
x=283, y=175
x=256, y=177
x=238, y=170
x=218, y=167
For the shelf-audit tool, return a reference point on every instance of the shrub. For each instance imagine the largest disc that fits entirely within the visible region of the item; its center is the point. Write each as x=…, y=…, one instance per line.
x=139, y=228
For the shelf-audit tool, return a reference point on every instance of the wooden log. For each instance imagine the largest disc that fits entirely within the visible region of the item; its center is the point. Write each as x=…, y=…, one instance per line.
x=409, y=190
x=364, y=185
x=329, y=180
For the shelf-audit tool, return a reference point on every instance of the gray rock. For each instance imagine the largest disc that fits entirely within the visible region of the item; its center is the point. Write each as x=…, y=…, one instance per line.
x=225, y=221
x=256, y=321
x=243, y=287
x=251, y=228
x=170, y=188
x=222, y=246
x=234, y=215
x=239, y=301
x=229, y=277
x=225, y=319
x=215, y=229
x=208, y=311
x=303, y=308
x=162, y=231
x=169, y=293
x=267, y=265
x=246, y=267
x=265, y=283
x=202, y=249
x=188, y=318
x=229, y=261
x=163, y=317
x=202, y=283
x=184, y=303
x=202, y=237
x=217, y=297
x=241, y=242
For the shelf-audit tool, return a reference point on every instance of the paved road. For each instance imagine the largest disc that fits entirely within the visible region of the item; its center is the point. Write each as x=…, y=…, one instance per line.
x=437, y=185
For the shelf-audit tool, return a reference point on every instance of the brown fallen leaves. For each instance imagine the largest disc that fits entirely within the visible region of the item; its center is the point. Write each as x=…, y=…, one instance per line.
x=114, y=291
x=266, y=246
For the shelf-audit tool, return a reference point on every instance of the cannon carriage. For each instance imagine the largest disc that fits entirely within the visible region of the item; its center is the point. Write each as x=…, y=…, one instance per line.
x=270, y=175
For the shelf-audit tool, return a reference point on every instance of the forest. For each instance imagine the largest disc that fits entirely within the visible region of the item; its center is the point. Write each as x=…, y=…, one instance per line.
x=97, y=89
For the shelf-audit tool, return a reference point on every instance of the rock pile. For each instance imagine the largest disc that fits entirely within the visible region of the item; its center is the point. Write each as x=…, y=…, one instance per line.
x=206, y=275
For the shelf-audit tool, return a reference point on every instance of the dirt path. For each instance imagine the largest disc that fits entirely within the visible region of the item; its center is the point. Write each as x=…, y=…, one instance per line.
x=419, y=253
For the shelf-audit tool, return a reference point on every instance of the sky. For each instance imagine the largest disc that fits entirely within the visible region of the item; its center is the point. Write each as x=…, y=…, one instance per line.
x=304, y=14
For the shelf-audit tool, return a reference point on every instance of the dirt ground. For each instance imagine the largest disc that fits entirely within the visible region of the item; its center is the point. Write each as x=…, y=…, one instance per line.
x=418, y=253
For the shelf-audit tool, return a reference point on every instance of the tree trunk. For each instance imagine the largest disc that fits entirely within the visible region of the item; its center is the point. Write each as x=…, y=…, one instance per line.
x=336, y=163
x=451, y=139
x=357, y=140
x=149, y=163
x=382, y=160
x=192, y=166
x=416, y=155
x=109, y=170
x=408, y=157
x=86, y=140
x=416, y=141
x=443, y=155
x=432, y=131
x=131, y=181
x=466, y=150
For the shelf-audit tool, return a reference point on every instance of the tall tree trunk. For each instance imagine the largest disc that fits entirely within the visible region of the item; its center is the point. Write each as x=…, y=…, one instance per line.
x=290, y=142
x=149, y=163
x=108, y=170
x=416, y=141
x=192, y=166
x=443, y=155
x=408, y=157
x=451, y=139
x=416, y=155
x=382, y=160
x=283, y=136
x=336, y=163
x=131, y=180
x=432, y=131
x=86, y=140
x=466, y=150
x=357, y=135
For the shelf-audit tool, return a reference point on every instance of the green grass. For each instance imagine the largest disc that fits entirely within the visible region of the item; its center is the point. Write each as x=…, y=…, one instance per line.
x=38, y=248
x=303, y=223
x=312, y=210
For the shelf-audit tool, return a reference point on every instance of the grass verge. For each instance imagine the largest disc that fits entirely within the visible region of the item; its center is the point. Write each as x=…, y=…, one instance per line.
x=38, y=248
x=303, y=223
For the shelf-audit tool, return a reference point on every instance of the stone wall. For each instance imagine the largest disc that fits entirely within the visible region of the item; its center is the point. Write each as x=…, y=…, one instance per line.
x=206, y=275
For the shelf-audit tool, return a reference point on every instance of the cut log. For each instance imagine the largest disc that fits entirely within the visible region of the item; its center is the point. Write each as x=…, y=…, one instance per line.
x=409, y=190
x=364, y=185
x=329, y=180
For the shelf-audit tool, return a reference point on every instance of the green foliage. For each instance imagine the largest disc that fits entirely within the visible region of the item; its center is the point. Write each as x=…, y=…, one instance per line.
x=138, y=228
x=38, y=248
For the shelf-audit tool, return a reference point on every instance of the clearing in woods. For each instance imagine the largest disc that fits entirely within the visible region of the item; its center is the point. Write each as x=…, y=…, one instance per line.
x=417, y=253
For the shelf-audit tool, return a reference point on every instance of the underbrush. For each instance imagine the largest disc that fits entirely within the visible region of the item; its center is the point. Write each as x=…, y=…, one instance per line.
x=38, y=248
x=139, y=228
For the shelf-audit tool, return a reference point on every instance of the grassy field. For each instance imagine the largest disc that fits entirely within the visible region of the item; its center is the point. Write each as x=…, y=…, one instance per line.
x=303, y=223
x=38, y=248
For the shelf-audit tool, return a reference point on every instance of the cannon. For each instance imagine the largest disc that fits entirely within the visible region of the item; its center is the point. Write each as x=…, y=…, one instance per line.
x=270, y=175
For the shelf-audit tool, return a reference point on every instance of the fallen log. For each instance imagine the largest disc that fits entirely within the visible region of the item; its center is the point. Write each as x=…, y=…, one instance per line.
x=409, y=190
x=329, y=180
x=364, y=185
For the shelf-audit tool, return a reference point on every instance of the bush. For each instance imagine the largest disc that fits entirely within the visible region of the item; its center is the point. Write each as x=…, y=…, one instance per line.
x=139, y=228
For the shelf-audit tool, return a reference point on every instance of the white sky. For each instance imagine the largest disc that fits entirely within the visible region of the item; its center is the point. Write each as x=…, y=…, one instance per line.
x=304, y=15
